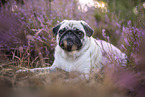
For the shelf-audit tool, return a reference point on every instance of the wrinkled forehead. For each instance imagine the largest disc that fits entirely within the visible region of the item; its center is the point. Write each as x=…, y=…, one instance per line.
x=72, y=25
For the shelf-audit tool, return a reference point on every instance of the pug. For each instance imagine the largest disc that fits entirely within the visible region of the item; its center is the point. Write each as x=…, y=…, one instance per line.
x=77, y=50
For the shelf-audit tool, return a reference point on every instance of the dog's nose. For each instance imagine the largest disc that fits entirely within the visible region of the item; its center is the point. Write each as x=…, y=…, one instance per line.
x=69, y=42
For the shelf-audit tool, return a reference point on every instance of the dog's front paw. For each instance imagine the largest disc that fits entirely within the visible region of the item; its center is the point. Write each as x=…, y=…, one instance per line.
x=24, y=71
x=38, y=70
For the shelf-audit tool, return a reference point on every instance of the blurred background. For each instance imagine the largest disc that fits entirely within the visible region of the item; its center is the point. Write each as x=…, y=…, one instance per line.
x=27, y=40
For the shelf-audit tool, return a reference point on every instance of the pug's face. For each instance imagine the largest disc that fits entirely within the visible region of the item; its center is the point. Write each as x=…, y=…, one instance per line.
x=71, y=34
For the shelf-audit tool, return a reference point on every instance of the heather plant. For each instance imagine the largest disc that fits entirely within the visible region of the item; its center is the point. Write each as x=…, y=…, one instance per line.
x=116, y=16
x=112, y=26
x=130, y=41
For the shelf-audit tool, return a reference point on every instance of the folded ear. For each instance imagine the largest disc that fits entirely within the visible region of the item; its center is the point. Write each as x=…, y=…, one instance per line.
x=87, y=28
x=55, y=29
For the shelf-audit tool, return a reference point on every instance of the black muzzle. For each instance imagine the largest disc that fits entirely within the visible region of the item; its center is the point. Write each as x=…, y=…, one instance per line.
x=69, y=41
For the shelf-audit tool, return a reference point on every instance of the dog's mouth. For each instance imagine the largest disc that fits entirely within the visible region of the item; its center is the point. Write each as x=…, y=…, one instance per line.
x=69, y=41
x=69, y=45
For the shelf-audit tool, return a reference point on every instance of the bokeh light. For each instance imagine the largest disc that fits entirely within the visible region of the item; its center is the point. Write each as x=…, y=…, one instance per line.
x=83, y=5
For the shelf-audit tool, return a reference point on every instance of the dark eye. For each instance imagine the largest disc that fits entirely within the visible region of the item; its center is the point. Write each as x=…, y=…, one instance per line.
x=60, y=32
x=79, y=33
x=63, y=30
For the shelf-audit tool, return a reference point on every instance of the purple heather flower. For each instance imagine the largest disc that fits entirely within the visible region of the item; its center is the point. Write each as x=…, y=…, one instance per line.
x=52, y=45
x=129, y=22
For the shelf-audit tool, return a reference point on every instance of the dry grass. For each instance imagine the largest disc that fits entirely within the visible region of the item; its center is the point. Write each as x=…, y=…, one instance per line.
x=110, y=83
